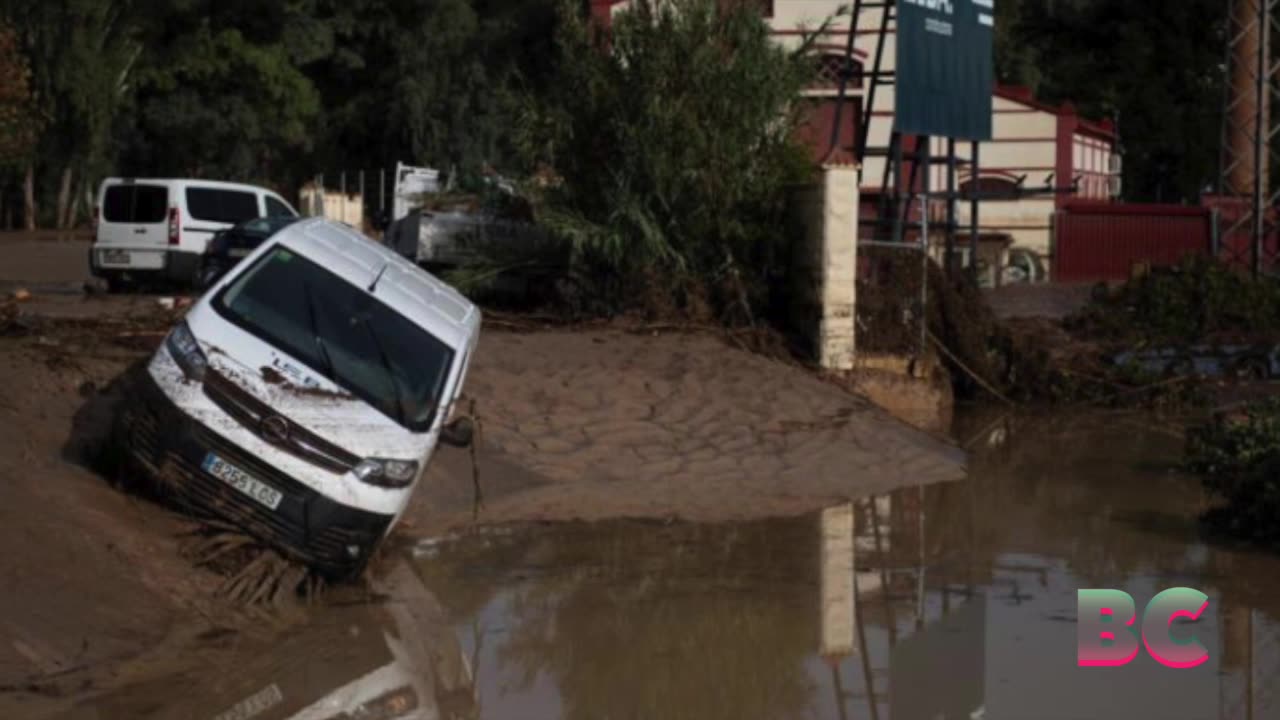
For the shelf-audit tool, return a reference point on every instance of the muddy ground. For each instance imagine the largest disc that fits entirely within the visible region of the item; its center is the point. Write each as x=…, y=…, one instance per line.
x=587, y=424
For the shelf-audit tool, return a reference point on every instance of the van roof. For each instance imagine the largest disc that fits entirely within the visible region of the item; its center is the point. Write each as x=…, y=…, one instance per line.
x=185, y=181
x=424, y=299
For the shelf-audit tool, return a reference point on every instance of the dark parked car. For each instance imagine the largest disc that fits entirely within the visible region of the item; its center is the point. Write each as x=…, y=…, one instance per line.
x=230, y=246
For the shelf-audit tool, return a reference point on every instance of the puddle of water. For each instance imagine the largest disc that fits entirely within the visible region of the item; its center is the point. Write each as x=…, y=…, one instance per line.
x=363, y=662
x=965, y=600
x=936, y=603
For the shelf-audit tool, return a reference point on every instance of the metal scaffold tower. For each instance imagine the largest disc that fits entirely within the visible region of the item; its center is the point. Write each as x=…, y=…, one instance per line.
x=1249, y=136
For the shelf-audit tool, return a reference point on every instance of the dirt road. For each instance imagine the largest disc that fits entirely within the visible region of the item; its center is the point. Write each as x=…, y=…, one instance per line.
x=587, y=424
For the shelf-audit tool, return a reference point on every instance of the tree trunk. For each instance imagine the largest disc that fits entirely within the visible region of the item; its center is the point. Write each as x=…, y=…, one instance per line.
x=73, y=213
x=64, y=199
x=90, y=200
x=29, y=198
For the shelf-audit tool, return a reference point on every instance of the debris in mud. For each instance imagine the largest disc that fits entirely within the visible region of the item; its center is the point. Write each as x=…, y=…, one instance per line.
x=253, y=573
x=271, y=376
x=1161, y=340
x=10, y=323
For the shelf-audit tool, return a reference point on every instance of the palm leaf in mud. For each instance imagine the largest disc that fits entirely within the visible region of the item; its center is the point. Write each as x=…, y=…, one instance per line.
x=253, y=573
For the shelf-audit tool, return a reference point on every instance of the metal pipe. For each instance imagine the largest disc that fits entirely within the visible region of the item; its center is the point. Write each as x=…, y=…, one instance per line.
x=924, y=254
x=973, y=213
x=897, y=190
x=1260, y=138
x=951, y=207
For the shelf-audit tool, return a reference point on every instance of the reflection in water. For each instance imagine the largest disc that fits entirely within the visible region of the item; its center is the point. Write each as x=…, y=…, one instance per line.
x=366, y=662
x=964, y=604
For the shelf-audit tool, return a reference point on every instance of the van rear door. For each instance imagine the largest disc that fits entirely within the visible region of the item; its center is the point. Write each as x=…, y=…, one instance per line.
x=210, y=209
x=133, y=230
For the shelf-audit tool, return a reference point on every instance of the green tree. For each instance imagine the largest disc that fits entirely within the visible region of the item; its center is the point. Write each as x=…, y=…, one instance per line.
x=1154, y=66
x=221, y=92
x=427, y=83
x=19, y=121
x=674, y=148
x=82, y=53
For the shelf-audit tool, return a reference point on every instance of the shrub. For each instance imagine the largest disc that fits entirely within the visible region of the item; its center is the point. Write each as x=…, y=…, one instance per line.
x=672, y=149
x=1238, y=459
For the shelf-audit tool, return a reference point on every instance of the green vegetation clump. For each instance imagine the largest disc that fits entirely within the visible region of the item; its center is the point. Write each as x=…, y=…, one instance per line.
x=672, y=151
x=1200, y=299
x=1238, y=459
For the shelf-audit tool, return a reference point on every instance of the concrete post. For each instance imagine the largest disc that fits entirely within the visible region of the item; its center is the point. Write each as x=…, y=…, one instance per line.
x=838, y=270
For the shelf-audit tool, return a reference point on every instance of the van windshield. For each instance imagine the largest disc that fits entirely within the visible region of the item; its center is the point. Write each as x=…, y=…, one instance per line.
x=343, y=332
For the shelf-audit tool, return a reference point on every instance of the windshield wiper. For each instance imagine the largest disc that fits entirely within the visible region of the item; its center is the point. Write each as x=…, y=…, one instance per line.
x=315, y=332
x=386, y=365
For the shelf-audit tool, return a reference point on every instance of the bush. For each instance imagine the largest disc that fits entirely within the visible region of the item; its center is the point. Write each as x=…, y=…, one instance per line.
x=1195, y=300
x=1238, y=459
x=672, y=150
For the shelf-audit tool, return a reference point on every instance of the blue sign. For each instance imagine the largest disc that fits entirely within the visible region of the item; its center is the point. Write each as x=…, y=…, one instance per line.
x=945, y=73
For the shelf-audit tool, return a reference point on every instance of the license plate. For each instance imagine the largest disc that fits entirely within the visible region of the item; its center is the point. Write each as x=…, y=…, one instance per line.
x=237, y=252
x=115, y=257
x=253, y=705
x=260, y=492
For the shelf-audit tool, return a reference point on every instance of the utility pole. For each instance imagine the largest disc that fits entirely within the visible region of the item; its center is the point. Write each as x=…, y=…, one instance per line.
x=1248, y=147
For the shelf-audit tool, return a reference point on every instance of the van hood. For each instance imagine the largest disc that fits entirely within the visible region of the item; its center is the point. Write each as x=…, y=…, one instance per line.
x=319, y=405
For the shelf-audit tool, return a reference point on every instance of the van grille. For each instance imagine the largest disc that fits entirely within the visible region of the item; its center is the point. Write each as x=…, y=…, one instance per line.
x=307, y=525
x=288, y=436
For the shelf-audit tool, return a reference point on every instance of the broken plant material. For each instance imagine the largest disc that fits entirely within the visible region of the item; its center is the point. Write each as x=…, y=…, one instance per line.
x=253, y=573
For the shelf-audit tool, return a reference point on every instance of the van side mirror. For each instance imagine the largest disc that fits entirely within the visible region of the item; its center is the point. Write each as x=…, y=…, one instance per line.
x=458, y=433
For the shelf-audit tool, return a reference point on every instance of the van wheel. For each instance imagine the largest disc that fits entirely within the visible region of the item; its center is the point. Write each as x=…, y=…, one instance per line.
x=116, y=284
x=207, y=276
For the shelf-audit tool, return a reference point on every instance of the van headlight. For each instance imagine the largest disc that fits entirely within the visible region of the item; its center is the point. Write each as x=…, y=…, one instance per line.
x=386, y=473
x=186, y=351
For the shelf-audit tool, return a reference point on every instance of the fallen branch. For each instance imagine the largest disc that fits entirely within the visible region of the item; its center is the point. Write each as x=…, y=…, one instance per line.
x=968, y=371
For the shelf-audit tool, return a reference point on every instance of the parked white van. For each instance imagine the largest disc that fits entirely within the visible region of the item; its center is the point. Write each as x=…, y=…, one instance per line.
x=159, y=227
x=302, y=396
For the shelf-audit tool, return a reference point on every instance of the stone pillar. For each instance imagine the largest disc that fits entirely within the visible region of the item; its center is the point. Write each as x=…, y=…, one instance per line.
x=825, y=265
x=838, y=272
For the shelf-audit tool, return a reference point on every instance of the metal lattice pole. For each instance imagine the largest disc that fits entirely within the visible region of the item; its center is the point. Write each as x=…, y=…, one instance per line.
x=1249, y=133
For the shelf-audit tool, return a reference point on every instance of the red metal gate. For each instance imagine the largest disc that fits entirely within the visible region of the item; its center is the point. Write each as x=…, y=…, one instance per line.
x=1102, y=242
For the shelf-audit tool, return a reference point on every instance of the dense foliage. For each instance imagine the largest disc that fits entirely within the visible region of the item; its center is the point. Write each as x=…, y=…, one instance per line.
x=18, y=122
x=1239, y=460
x=1198, y=300
x=277, y=90
x=271, y=92
x=1155, y=67
x=673, y=153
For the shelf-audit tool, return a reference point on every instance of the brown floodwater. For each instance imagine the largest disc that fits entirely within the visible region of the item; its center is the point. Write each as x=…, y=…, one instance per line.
x=961, y=605
x=934, y=603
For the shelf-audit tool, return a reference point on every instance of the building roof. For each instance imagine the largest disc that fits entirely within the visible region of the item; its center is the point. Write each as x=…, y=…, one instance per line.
x=1104, y=129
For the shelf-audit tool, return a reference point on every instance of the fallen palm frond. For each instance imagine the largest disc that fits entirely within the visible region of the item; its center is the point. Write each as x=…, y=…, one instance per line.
x=253, y=573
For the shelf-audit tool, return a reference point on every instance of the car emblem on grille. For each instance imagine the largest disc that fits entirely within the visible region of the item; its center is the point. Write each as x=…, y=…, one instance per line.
x=274, y=429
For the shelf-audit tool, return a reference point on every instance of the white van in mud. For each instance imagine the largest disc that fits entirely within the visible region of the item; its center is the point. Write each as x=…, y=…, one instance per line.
x=303, y=395
x=158, y=228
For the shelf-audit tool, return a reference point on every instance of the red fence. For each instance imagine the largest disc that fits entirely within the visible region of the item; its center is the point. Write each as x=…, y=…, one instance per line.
x=1102, y=242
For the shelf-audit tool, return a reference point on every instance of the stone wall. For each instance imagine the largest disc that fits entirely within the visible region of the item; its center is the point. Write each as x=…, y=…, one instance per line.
x=317, y=202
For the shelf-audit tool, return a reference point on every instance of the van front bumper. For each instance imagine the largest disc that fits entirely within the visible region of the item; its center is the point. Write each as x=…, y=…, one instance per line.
x=332, y=538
